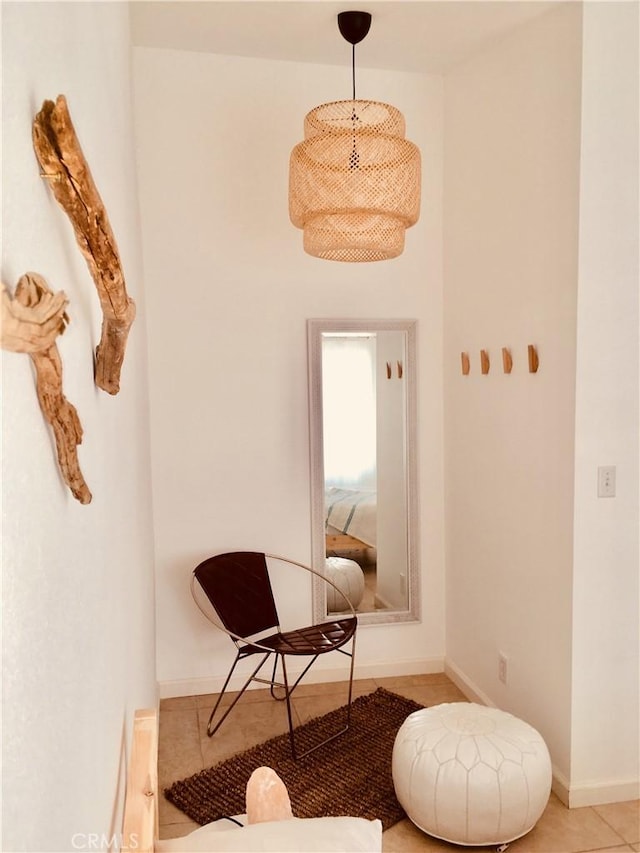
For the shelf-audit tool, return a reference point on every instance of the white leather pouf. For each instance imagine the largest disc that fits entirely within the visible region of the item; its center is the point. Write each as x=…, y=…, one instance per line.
x=349, y=578
x=471, y=775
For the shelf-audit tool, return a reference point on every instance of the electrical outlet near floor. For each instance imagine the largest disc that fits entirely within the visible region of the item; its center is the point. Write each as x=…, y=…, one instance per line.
x=502, y=667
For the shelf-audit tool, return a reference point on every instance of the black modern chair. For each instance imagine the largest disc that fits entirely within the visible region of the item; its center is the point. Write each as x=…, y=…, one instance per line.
x=238, y=588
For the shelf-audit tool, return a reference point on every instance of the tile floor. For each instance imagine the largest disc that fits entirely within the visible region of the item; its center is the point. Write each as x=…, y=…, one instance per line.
x=185, y=748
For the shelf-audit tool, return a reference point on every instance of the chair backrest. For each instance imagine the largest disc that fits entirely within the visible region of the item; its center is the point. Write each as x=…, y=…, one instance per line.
x=237, y=585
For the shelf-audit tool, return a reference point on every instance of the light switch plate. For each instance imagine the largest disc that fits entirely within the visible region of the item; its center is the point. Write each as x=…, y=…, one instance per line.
x=607, y=481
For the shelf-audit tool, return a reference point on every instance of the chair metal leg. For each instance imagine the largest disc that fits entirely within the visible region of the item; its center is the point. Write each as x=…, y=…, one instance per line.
x=211, y=731
x=292, y=740
x=298, y=755
x=275, y=683
x=353, y=658
x=287, y=694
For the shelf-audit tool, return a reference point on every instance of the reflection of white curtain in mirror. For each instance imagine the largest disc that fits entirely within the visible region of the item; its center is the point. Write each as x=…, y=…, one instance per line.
x=349, y=410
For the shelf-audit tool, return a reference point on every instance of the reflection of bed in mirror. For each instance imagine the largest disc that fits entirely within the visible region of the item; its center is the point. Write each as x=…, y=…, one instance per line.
x=350, y=532
x=350, y=518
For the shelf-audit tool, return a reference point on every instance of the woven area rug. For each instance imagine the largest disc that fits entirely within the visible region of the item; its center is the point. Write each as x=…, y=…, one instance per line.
x=349, y=776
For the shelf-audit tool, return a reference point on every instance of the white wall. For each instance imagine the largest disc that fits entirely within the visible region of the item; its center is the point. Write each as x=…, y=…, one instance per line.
x=78, y=620
x=512, y=153
x=606, y=645
x=229, y=291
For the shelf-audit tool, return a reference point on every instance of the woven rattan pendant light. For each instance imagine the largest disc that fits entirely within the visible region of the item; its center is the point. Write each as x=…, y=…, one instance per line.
x=354, y=182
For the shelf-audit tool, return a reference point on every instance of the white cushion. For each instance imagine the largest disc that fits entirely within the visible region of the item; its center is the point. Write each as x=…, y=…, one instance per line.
x=298, y=835
x=470, y=774
x=349, y=578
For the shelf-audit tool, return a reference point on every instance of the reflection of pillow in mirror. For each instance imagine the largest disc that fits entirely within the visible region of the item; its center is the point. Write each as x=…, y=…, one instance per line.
x=298, y=835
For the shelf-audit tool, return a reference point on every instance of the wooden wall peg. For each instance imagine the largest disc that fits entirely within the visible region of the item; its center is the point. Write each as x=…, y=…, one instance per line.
x=507, y=361
x=400, y=369
x=388, y=370
x=533, y=359
x=484, y=361
x=466, y=366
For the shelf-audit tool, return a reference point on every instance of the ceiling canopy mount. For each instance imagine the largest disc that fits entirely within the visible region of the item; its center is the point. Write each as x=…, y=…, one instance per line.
x=354, y=26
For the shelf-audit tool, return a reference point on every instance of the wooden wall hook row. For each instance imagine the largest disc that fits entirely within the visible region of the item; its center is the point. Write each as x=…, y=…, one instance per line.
x=533, y=359
x=400, y=369
x=466, y=365
x=484, y=361
x=507, y=361
x=388, y=370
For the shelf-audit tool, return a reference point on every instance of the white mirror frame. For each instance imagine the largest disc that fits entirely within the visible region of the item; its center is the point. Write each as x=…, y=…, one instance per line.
x=315, y=329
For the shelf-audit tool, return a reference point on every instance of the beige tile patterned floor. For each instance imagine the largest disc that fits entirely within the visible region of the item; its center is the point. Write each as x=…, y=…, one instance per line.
x=185, y=749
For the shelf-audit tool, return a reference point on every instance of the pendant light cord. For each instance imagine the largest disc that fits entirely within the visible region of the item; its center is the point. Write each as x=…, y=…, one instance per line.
x=354, y=159
x=353, y=69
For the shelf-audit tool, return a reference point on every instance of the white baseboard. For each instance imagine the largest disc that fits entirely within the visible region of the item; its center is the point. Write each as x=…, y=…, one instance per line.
x=417, y=666
x=615, y=791
x=612, y=791
x=560, y=786
x=200, y=686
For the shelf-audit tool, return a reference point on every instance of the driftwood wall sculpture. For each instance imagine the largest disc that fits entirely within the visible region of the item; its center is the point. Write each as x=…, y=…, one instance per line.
x=70, y=179
x=31, y=328
x=31, y=322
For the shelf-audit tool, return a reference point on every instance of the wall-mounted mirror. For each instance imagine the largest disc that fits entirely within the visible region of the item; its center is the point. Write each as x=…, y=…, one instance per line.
x=362, y=396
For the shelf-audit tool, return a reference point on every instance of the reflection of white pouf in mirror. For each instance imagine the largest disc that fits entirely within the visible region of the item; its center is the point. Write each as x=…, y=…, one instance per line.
x=470, y=774
x=349, y=578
